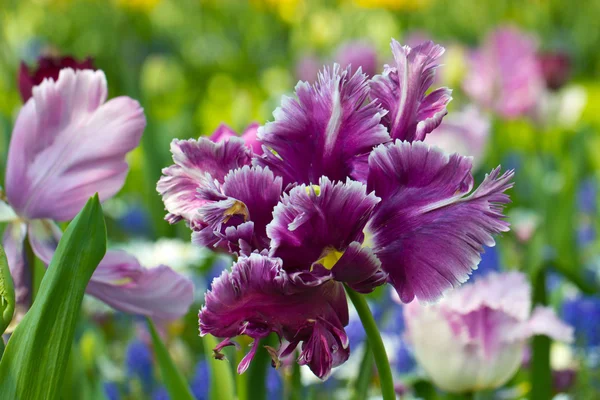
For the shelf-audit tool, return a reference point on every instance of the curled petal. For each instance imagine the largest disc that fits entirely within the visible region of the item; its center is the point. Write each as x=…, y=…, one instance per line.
x=323, y=131
x=401, y=91
x=428, y=233
x=258, y=297
x=360, y=269
x=121, y=282
x=14, y=247
x=68, y=143
x=316, y=224
x=197, y=163
x=249, y=195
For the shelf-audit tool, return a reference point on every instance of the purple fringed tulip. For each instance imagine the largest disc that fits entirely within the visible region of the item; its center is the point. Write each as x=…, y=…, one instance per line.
x=224, y=132
x=324, y=132
x=258, y=297
x=465, y=132
x=480, y=332
x=505, y=75
x=334, y=200
x=401, y=91
x=48, y=67
x=68, y=143
x=430, y=228
x=358, y=54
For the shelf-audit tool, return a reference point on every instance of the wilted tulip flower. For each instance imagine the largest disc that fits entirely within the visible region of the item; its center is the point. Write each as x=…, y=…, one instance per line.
x=474, y=338
x=48, y=67
x=68, y=143
x=344, y=193
x=504, y=74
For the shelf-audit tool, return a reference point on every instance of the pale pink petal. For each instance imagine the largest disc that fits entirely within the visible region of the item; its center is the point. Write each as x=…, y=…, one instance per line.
x=68, y=144
x=14, y=247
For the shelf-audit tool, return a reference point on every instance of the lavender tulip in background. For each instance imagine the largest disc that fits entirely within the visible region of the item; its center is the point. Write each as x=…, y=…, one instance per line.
x=504, y=74
x=68, y=143
x=358, y=54
x=480, y=332
x=465, y=132
x=333, y=199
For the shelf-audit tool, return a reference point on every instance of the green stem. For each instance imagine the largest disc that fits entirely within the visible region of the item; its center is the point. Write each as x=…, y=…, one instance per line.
x=257, y=372
x=361, y=383
x=541, y=374
x=296, y=383
x=241, y=383
x=375, y=343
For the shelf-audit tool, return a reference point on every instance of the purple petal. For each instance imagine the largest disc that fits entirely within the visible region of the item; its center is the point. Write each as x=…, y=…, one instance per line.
x=224, y=132
x=121, y=282
x=159, y=292
x=250, y=194
x=401, y=91
x=316, y=225
x=323, y=131
x=68, y=143
x=258, y=297
x=197, y=163
x=428, y=233
x=14, y=247
x=360, y=269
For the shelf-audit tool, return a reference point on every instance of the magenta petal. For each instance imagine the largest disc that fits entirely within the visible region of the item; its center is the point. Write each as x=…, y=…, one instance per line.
x=68, y=143
x=310, y=222
x=401, y=90
x=428, y=233
x=223, y=132
x=324, y=130
x=258, y=297
x=360, y=269
x=14, y=247
x=197, y=163
x=250, y=136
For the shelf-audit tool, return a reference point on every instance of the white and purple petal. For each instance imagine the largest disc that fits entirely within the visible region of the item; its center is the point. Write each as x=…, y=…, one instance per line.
x=69, y=143
x=428, y=231
x=197, y=163
x=401, y=91
x=13, y=243
x=258, y=297
x=324, y=130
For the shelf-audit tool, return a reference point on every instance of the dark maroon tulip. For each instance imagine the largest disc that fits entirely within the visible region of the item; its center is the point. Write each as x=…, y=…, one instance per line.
x=48, y=67
x=556, y=68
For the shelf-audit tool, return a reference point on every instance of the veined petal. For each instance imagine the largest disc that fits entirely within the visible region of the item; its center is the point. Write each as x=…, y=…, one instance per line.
x=401, y=91
x=14, y=247
x=121, y=282
x=427, y=232
x=258, y=297
x=197, y=163
x=250, y=194
x=317, y=224
x=324, y=130
x=68, y=143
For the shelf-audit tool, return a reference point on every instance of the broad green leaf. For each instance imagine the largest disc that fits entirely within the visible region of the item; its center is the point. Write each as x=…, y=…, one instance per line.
x=173, y=379
x=221, y=378
x=7, y=294
x=36, y=356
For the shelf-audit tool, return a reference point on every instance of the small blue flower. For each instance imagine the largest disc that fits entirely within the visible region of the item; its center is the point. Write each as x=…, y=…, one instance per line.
x=583, y=314
x=201, y=382
x=138, y=360
x=111, y=390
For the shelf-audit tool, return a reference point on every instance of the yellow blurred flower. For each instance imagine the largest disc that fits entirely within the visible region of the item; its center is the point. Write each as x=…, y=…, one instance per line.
x=407, y=5
x=289, y=11
x=138, y=5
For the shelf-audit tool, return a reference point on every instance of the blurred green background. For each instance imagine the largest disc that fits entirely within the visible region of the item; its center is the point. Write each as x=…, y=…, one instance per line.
x=194, y=64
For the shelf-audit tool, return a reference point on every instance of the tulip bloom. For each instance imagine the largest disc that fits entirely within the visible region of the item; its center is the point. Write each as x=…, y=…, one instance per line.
x=48, y=67
x=505, y=75
x=344, y=192
x=480, y=332
x=67, y=144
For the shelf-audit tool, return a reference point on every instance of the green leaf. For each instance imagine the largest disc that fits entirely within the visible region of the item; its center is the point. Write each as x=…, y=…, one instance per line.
x=7, y=293
x=36, y=356
x=173, y=379
x=221, y=378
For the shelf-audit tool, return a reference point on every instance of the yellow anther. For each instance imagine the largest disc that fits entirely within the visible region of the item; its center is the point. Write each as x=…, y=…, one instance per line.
x=313, y=188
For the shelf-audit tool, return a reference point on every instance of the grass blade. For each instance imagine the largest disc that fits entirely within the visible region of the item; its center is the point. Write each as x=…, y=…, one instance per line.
x=36, y=356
